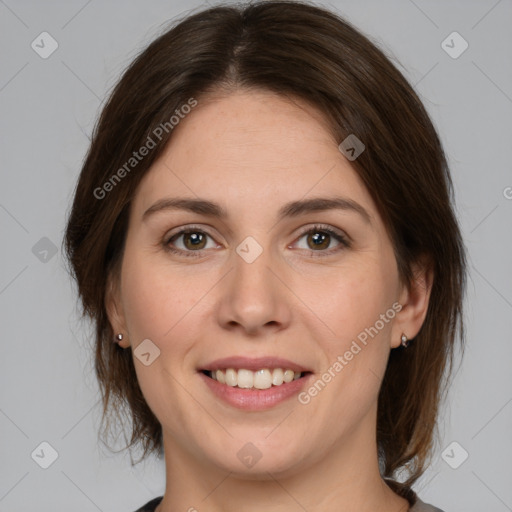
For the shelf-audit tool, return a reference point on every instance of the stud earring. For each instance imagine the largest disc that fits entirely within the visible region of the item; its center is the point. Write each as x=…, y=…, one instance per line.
x=404, y=340
x=118, y=338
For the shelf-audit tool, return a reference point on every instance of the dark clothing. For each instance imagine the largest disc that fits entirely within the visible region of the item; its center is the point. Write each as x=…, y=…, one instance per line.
x=151, y=505
x=418, y=506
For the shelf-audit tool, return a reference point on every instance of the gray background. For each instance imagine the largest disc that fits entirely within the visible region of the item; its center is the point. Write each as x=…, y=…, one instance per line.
x=48, y=389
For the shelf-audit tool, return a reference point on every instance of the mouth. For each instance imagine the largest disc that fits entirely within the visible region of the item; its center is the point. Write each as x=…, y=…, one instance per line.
x=264, y=378
x=254, y=384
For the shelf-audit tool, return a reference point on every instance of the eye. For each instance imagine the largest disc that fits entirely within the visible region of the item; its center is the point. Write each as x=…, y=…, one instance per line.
x=320, y=237
x=193, y=242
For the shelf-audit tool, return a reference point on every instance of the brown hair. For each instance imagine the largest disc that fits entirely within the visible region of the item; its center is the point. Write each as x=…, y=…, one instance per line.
x=298, y=50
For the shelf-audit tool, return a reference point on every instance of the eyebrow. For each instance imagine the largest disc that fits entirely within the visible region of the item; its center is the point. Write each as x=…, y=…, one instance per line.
x=291, y=209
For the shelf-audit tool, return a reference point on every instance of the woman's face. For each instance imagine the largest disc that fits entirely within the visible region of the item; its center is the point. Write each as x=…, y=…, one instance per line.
x=274, y=285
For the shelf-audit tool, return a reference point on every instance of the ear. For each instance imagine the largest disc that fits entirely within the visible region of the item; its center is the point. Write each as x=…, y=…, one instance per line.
x=414, y=299
x=115, y=311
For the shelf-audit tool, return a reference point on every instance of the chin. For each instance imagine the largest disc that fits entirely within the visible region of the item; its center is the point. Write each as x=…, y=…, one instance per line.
x=255, y=460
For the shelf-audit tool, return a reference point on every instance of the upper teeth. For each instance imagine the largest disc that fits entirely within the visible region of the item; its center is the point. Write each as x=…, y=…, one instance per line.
x=260, y=379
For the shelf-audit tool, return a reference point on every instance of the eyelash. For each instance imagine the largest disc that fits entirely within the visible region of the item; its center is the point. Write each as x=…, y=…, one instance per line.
x=316, y=228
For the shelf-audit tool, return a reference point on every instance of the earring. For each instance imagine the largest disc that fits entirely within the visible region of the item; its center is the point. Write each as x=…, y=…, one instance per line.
x=404, y=340
x=118, y=338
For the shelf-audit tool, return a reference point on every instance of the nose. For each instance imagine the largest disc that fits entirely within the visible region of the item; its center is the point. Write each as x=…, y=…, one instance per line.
x=253, y=298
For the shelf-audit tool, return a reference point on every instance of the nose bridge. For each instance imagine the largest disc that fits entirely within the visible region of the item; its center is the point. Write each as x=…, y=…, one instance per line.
x=252, y=277
x=253, y=297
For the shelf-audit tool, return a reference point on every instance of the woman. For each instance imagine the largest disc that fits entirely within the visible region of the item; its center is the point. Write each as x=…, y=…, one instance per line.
x=263, y=234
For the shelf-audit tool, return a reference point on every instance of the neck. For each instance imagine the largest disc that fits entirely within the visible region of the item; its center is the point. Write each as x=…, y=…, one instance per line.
x=346, y=478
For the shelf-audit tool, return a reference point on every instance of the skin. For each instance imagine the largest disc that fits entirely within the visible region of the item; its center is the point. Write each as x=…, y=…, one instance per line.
x=251, y=152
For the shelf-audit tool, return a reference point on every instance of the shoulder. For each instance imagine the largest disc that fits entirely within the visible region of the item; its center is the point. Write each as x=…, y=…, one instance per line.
x=150, y=505
x=406, y=492
x=420, y=506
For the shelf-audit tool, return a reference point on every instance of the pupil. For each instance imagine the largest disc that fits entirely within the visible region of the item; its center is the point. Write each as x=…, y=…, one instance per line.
x=319, y=239
x=195, y=238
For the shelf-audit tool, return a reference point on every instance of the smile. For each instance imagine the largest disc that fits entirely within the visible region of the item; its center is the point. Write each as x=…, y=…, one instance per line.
x=254, y=384
x=264, y=378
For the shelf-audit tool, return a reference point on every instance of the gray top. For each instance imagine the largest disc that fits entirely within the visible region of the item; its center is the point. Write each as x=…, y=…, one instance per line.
x=419, y=506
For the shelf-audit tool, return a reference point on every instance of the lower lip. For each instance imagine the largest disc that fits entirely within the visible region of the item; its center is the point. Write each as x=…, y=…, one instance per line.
x=255, y=399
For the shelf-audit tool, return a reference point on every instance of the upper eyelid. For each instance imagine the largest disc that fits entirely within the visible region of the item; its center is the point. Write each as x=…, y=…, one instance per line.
x=185, y=229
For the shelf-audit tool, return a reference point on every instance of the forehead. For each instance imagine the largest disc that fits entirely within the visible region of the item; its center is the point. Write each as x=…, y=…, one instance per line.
x=250, y=146
x=271, y=127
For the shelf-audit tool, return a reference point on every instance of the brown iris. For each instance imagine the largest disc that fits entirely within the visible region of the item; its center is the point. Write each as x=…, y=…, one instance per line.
x=196, y=239
x=319, y=239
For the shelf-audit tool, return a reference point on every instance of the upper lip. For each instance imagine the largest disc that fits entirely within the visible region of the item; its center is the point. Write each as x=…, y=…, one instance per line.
x=258, y=363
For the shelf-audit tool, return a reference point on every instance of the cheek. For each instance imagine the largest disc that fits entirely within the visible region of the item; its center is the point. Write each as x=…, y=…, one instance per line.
x=354, y=298
x=162, y=305
x=356, y=357
x=157, y=299
x=357, y=307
